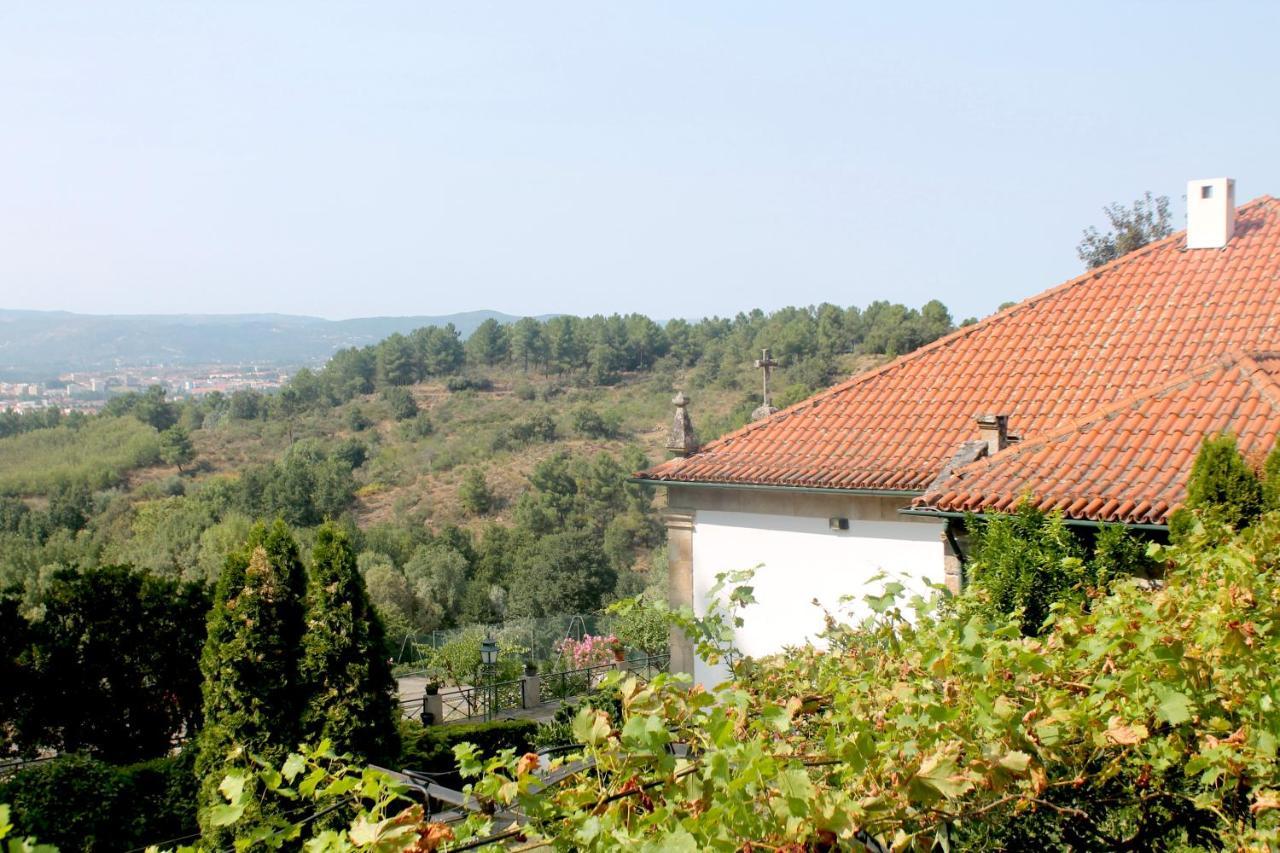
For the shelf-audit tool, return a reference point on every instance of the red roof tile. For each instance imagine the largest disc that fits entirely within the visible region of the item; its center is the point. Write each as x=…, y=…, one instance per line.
x=1117, y=331
x=1129, y=461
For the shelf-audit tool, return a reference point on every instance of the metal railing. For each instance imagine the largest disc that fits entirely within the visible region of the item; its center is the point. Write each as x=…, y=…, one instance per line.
x=467, y=702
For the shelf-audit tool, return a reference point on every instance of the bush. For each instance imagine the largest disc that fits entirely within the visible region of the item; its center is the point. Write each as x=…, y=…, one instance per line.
x=1222, y=485
x=82, y=804
x=429, y=749
x=642, y=625
x=539, y=427
x=1026, y=562
x=357, y=421
x=400, y=402
x=468, y=383
x=474, y=494
x=589, y=424
x=421, y=426
x=96, y=456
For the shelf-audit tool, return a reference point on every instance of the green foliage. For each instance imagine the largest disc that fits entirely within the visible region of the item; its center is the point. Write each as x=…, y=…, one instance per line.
x=488, y=344
x=1271, y=479
x=109, y=666
x=1222, y=486
x=430, y=749
x=252, y=700
x=149, y=407
x=474, y=495
x=564, y=572
x=306, y=487
x=1131, y=228
x=82, y=804
x=344, y=669
x=643, y=623
x=68, y=802
x=400, y=402
x=176, y=447
x=95, y=456
x=1147, y=722
x=590, y=424
x=1025, y=563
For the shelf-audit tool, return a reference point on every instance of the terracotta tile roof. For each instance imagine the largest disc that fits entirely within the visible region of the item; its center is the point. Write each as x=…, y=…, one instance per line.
x=1132, y=325
x=1129, y=461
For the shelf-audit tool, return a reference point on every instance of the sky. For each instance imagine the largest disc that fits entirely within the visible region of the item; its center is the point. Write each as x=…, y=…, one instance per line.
x=672, y=158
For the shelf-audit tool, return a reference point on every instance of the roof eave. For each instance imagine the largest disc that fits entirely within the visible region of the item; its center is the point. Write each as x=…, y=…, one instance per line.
x=773, y=487
x=928, y=512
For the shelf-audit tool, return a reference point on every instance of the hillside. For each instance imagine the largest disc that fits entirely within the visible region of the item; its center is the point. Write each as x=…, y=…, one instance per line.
x=478, y=481
x=37, y=344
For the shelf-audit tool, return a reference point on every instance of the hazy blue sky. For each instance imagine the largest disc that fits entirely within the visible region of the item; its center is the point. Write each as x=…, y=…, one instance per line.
x=349, y=159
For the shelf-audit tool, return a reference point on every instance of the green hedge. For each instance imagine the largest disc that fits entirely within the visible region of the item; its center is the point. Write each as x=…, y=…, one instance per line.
x=429, y=749
x=81, y=804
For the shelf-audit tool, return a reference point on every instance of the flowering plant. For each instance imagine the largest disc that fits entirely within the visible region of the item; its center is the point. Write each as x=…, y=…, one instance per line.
x=591, y=650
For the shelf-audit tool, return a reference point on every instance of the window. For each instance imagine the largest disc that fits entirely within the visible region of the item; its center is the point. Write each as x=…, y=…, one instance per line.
x=1206, y=191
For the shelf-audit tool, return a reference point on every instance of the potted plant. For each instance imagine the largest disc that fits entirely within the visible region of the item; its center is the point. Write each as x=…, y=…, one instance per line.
x=530, y=668
x=433, y=688
x=619, y=652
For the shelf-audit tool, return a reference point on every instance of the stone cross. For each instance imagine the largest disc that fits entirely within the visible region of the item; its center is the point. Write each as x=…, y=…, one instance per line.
x=766, y=364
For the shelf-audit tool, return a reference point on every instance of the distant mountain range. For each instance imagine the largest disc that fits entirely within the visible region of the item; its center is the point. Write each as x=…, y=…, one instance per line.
x=39, y=344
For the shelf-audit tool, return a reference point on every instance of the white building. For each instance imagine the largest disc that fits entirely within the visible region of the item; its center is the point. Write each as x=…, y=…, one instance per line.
x=1090, y=398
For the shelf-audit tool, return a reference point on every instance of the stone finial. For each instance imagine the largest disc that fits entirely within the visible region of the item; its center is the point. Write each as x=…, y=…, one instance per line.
x=682, y=440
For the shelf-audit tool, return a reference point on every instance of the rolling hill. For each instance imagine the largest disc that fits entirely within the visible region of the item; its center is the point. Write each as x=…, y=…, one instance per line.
x=36, y=344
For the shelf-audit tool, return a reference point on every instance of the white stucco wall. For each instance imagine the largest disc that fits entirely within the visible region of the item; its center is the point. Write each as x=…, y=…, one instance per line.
x=800, y=560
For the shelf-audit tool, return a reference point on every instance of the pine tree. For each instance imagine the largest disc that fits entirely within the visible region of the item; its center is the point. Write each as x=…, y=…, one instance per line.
x=344, y=665
x=176, y=447
x=1222, y=486
x=474, y=494
x=250, y=664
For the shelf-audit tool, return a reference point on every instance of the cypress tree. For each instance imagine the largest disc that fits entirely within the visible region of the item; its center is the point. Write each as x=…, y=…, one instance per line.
x=1271, y=479
x=250, y=664
x=1222, y=486
x=351, y=692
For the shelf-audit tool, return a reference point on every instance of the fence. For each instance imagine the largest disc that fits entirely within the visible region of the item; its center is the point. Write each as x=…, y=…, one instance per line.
x=467, y=703
x=537, y=636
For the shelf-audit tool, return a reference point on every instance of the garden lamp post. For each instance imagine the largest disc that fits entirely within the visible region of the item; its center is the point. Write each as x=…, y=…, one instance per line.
x=489, y=663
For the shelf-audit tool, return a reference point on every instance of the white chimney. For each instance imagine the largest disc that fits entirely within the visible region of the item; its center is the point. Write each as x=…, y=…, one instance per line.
x=1211, y=213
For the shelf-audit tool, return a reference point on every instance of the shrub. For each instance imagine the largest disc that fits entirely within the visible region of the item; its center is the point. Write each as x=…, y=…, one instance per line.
x=589, y=651
x=82, y=804
x=590, y=424
x=95, y=456
x=1222, y=486
x=468, y=383
x=429, y=749
x=400, y=402
x=1026, y=562
x=539, y=427
x=357, y=421
x=474, y=495
x=642, y=624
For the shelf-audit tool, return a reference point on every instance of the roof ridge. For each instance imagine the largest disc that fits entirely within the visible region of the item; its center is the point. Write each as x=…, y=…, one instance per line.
x=962, y=332
x=1223, y=362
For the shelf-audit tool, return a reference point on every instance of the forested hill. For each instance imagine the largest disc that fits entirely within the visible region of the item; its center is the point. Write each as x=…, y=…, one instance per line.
x=35, y=344
x=478, y=480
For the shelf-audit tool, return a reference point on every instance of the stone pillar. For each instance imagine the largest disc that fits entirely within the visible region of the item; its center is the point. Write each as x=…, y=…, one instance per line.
x=679, y=523
x=432, y=707
x=532, y=687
